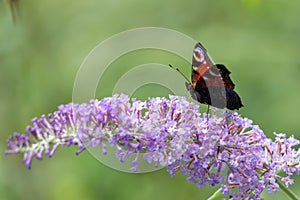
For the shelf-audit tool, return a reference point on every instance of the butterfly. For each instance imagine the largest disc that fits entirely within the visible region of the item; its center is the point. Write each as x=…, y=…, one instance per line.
x=211, y=83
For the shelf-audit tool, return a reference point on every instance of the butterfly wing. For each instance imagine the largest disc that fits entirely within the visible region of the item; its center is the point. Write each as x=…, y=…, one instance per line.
x=211, y=84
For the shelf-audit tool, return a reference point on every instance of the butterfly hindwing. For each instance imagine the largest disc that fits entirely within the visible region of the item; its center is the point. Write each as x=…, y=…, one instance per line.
x=225, y=76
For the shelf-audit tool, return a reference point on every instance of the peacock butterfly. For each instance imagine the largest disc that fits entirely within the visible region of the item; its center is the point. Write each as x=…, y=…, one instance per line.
x=211, y=83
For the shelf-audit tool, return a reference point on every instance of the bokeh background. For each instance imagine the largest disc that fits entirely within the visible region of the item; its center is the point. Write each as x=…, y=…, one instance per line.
x=259, y=41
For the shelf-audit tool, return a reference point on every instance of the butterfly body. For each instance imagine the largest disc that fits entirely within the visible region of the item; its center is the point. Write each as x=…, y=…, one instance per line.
x=211, y=83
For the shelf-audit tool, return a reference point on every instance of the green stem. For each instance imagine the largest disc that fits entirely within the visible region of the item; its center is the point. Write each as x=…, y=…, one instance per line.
x=287, y=191
x=215, y=195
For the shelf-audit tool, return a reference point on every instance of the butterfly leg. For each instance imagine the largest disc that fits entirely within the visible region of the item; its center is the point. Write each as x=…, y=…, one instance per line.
x=207, y=112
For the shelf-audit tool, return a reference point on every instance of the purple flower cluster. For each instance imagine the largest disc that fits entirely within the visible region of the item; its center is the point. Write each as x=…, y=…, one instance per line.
x=215, y=148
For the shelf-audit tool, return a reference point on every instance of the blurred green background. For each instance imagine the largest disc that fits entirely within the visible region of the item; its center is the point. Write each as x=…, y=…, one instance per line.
x=40, y=55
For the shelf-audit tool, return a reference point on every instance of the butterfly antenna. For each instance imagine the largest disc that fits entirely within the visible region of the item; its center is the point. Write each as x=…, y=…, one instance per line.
x=183, y=76
x=180, y=73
